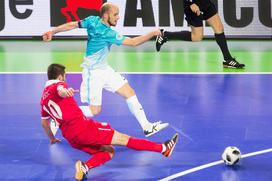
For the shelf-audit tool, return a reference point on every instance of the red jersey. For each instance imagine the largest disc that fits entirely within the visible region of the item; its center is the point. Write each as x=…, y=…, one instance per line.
x=82, y=133
x=64, y=111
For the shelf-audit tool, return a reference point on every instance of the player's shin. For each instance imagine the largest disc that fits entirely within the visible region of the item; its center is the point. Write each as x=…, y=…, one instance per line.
x=98, y=159
x=144, y=145
x=137, y=110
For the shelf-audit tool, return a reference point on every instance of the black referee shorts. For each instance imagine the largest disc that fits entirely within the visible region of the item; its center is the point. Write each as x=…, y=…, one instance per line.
x=197, y=21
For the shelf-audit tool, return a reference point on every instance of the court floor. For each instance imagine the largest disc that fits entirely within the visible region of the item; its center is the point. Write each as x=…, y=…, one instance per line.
x=210, y=107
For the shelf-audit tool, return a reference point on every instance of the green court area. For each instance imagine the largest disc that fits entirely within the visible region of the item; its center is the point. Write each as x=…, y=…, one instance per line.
x=175, y=56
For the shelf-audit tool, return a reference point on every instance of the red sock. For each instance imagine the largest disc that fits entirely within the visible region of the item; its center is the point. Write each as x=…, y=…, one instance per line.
x=98, y=159
x=142, y=144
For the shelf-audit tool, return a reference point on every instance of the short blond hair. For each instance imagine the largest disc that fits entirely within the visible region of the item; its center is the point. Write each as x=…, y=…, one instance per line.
x=106, y=7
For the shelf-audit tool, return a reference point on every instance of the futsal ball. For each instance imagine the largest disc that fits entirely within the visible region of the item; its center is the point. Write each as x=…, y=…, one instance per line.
x=231, y=155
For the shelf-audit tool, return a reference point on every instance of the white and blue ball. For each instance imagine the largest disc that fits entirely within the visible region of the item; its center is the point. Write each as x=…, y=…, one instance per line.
x=231, y=155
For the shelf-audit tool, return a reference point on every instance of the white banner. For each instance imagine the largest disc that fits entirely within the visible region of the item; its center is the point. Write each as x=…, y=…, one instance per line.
x=33, y=17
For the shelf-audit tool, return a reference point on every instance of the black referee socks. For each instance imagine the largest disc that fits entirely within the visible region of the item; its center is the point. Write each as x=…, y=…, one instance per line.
x=178, y=35
x=222, y=42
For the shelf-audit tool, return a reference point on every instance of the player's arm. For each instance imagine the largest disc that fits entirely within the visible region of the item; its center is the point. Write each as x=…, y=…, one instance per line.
x=64, y=27
x=48, y=131
x=66, y=92
x=140, y=39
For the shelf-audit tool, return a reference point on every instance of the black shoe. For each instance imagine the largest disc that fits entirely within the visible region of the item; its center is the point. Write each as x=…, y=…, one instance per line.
x=160, y=40
x=170, y=145
x=232, y=63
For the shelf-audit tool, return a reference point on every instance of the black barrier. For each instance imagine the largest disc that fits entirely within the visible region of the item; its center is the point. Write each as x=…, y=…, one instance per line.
x=146, y=13
x=164, y=15
x=265, y=12
x=249, y=13
x=14, y=11
x=2, y=15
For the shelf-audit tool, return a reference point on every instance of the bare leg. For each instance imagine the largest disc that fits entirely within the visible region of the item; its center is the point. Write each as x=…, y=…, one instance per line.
x=216, y=24
x=197, y=33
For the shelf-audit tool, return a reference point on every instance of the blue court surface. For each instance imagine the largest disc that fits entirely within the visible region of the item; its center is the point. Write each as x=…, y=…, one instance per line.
x=209, y=111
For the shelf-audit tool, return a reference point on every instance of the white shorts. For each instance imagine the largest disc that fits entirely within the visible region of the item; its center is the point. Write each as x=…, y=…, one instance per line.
x=94, y=81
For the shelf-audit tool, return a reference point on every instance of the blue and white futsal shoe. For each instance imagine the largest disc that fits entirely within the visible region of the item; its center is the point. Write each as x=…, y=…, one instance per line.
x=153, y=128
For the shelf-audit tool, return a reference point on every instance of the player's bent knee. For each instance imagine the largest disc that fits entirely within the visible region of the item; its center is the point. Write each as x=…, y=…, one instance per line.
x=129, y=91
x=112, y=152
x=108, y=148
x=96, y=112
x=95, y=109
x=126, y=91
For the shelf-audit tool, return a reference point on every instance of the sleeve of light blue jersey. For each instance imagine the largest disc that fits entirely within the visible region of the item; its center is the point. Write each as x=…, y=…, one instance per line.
x=85, y=23
x=114, y=38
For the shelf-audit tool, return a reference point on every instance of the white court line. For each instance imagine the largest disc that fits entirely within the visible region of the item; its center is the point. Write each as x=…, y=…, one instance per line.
x=195, y=169
x=160, y=73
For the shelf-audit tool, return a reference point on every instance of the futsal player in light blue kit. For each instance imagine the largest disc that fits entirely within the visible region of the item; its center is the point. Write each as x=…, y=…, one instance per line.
x=97, y=73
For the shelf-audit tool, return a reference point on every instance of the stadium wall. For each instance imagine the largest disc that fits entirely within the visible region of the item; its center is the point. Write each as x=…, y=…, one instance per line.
x=30, y=18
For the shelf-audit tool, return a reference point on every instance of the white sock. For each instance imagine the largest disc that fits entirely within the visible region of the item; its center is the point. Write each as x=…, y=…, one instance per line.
x=136, y=109
x=86, y=111
x=163, y=148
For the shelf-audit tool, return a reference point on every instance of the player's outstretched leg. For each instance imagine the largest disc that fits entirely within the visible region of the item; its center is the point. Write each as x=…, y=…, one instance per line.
x=145, y=145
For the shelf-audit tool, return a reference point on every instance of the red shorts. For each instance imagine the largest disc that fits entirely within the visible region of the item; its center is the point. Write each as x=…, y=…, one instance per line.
x=92, y=136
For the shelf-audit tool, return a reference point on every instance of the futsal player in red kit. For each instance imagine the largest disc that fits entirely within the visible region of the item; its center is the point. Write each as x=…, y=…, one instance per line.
x=85, y=134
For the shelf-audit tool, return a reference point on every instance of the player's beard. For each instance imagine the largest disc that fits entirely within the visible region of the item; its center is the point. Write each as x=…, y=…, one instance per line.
x=110, y=23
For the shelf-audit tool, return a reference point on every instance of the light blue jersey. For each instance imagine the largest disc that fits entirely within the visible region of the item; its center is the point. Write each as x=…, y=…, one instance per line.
x=100, y=39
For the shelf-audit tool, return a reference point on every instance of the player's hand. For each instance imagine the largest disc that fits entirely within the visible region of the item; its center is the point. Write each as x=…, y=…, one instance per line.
x=157, y=32
x=47, y=36
x=54, y=140
x=196, y=9
x=70, y=92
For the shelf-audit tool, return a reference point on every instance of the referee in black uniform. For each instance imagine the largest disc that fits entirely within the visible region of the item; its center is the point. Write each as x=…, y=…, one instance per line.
x=195, y=12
